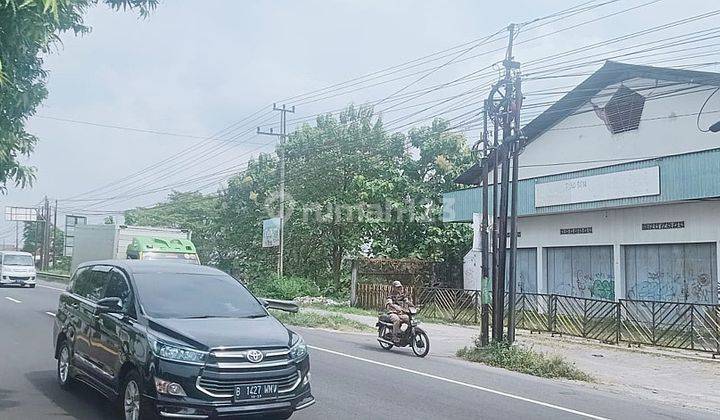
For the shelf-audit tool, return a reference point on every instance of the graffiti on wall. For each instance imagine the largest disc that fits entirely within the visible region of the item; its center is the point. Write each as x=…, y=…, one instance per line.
x=596, y=285
x=673, y=287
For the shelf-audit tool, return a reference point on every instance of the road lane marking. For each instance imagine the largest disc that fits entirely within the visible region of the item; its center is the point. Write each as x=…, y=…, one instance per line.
x=12, y=300
x=50, y=313
x=465, y=384
x=50, y=287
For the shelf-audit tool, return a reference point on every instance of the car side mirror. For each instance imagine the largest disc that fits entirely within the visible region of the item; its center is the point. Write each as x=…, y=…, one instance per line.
x=281, y=305
x=109, y=305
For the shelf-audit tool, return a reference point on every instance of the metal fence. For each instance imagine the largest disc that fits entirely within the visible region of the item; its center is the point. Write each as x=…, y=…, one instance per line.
x=664, y=324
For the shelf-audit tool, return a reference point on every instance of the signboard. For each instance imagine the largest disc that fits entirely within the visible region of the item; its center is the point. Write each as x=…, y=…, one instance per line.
x=70, y=223
x=663, y=225
x=612, y=186
x=576, y=231
x=271, y=232
x=20, y=214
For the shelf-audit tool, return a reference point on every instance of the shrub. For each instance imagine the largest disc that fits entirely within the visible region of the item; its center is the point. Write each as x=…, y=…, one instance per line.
x=524, y=360
x=315, y=320
x=287, y=288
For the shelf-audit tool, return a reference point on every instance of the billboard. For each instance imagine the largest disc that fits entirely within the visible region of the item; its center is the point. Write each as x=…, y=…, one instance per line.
x=20, y=214
x=271, y=232
x=70, y=223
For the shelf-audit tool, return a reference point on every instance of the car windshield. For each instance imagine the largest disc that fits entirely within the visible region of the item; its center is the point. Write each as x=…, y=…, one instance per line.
x=183, y=295
x=25, y=260
x=171, y=256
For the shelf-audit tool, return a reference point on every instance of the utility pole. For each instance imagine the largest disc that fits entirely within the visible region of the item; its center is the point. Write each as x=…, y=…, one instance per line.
x=515, y=150
x=484, y=242
x=45, y=254
x=17, y=235
x=281, y=136
x=504, y=111
x=54, y=235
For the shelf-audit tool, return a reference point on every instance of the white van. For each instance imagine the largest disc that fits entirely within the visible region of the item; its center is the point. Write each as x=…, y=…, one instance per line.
x=17, y=268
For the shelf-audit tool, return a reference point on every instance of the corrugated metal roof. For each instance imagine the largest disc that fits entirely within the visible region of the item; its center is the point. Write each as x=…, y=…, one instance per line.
x=610, y=73
x=690, y=176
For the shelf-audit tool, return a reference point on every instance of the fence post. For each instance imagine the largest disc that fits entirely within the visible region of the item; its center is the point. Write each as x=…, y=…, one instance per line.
x=553, y=314
x=652, y=306
x=475, y=306
x=618, y=323
x=692, y=326
x=353, y=283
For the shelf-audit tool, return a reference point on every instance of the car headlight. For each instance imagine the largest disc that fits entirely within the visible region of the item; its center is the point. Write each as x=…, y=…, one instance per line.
x=298, y=349
x=176, y=353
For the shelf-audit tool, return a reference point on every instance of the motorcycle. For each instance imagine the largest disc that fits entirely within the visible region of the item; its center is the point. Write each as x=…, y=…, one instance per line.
x=410, y=334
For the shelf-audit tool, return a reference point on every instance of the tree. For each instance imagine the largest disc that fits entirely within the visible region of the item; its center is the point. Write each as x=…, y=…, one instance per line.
x=241, y=209
x=109, y=220
x=352, y=189
x=29, y=29
x=32, y=238
x=327, y=165
x=441, y=157
x=182, y=210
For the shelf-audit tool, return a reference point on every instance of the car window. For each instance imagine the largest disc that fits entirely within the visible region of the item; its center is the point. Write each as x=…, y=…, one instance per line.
x=91, y=284
x=185, y=295
x=20, y=260
x=79, y=277
x=118, y=287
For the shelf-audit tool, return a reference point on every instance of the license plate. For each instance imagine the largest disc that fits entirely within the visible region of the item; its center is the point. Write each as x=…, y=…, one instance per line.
x=256, y=392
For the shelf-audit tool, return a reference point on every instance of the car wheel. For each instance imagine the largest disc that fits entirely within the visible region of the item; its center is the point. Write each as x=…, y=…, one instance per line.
x=280, y=416
x=132, y=403
x=32, y=286
x=64, y=366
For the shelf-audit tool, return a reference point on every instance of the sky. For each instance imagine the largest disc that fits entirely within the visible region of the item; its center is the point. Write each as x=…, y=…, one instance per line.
x=193, y=68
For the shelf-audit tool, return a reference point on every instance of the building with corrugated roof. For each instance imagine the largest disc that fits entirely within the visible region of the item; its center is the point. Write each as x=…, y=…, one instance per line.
x=618, y=190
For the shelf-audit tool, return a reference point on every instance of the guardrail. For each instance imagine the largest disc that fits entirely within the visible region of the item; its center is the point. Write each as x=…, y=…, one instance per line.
x=63, y=278
x=690, y=326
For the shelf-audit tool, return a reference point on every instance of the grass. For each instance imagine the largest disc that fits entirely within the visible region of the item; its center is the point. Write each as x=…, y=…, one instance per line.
x=315, y=320
x=524, y=360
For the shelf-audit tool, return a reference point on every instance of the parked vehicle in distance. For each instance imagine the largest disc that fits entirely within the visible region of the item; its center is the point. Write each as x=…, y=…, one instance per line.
x=120, y=242
x=17, y=268
x=178, y=341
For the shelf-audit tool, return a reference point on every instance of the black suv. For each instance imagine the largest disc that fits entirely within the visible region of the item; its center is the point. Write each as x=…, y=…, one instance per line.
x=178, y=341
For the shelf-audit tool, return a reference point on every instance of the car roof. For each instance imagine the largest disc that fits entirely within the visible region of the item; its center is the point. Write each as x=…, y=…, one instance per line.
x=15, y=253
x=145, y=266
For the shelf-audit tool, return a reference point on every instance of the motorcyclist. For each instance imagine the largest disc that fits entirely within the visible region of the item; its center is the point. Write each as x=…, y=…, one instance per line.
x=397, y=305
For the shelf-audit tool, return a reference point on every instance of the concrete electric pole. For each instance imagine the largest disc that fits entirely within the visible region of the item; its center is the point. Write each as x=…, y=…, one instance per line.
x=281, y=149
x=503, y=107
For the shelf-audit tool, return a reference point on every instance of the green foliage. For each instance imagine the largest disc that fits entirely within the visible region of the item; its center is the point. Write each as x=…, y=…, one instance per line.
x=316, y=320
x=524, y=360
x=350, y=185
x=32, y=238
x=30, y=29
x=287, y=288
x=352, y=189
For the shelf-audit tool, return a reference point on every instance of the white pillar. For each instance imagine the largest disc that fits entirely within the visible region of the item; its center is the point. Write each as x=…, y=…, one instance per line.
x=618, y=271
x=476, y=227
x=540, y=267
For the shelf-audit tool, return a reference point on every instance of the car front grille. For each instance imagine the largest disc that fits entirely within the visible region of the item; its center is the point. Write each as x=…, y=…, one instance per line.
x=224, y=388
x=228, y=368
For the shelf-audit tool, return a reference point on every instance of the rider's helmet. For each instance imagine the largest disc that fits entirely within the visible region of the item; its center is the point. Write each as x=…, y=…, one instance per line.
x=397, y=286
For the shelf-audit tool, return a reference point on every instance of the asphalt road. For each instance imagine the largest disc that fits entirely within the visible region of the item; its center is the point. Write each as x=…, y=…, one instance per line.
x=352, y=379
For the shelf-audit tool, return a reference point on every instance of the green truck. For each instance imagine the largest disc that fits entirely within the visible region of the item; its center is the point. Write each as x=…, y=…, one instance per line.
x=119, y=242
x=155, y=248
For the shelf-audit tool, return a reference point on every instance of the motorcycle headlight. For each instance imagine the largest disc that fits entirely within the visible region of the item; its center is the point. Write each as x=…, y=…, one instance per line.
x=176, y=353
x=298, y=349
